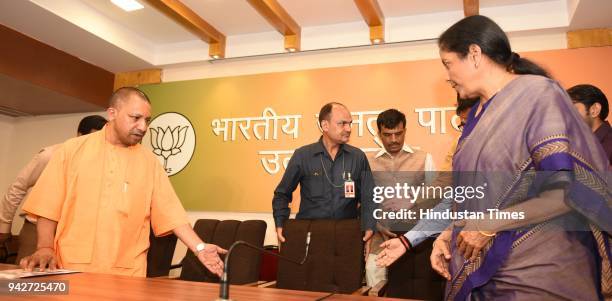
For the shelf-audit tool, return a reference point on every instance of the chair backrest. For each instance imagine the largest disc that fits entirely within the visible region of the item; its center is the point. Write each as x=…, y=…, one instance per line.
x=412, y=276
x=159, y=256
x=8, y=250
x=244, y=263
x=335, y=258
x=269, y=264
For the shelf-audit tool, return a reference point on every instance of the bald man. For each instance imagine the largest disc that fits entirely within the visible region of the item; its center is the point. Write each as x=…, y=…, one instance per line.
x=100, y=195
x=331, y=174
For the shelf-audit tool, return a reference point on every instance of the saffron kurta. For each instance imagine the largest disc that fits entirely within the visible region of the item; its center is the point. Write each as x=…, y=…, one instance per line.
x=105, y=198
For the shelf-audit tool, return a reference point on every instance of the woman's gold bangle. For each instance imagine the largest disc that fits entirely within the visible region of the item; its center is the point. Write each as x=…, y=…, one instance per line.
x=490, y=234
x=487, y=234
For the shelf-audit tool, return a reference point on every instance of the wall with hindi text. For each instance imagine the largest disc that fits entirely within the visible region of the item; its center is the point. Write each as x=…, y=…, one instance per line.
x=236, y=167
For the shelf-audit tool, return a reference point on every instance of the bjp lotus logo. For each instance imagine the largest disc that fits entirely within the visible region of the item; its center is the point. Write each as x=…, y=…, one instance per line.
x=167, y=142
x=173, y=140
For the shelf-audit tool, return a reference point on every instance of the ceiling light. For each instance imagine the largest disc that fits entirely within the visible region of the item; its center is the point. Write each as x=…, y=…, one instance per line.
x=128, y=5
x=291, y=49
x=376, y=41
x=214, y=56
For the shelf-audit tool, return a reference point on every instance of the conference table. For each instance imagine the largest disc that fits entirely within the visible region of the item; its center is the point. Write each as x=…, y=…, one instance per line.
x=92, y=286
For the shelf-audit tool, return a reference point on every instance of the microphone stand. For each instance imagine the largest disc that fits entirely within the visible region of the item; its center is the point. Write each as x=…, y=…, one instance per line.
x=224, y=283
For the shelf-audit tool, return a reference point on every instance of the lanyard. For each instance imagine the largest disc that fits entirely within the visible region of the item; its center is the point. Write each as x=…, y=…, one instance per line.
x=327, y=176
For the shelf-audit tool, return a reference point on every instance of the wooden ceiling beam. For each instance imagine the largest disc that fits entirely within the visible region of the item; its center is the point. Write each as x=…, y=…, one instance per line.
x=595, y=37
x=373, y=16
x=471, y=7
x=137, y=78
x=33, y=62
x=278, y=17
x=182, y=14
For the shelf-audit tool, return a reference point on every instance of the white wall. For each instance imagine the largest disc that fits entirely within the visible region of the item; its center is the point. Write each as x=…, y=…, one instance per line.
x=6, y=130
x=23, y=137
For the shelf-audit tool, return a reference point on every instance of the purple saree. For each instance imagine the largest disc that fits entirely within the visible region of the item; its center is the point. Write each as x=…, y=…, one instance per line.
x=531, y=126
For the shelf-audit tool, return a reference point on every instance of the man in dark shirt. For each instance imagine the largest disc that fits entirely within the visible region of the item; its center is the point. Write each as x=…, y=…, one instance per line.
x=334, y=177
x=592, y=105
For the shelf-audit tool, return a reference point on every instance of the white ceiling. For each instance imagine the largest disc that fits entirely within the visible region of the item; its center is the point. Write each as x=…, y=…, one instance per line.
x=395, y=8
x=150, y=23
x=231, y=17
x=591, y=14
x=100, y=33
x=321, y=12
x=45, y=26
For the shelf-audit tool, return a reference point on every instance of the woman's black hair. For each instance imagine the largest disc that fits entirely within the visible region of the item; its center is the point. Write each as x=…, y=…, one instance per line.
x=491, y=39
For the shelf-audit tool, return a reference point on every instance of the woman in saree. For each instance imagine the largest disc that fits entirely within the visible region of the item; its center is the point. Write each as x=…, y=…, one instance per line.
x=538, y=158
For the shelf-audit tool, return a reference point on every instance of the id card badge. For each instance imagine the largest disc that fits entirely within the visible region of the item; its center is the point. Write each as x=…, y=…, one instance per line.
x=349, y=189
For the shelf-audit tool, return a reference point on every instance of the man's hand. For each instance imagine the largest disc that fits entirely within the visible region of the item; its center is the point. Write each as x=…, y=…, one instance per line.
x=386, y=233
x=396, y=204
x=42, y=258
x=440, y=255
x=367, y=238
x=392, y=250
x=279, y=235
x=209, y=257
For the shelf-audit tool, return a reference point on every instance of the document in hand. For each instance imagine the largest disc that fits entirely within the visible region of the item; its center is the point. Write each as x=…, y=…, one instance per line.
x=21, y=273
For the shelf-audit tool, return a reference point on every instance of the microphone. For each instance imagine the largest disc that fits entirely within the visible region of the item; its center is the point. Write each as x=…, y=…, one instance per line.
x=224, y=283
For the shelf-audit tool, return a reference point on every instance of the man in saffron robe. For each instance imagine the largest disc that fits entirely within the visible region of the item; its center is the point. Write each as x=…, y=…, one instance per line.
x=101, y=193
